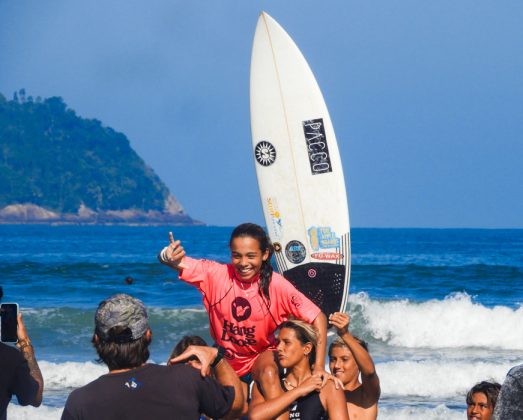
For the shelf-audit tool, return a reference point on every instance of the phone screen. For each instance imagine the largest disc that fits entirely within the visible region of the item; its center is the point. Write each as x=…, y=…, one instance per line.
x=9, y=313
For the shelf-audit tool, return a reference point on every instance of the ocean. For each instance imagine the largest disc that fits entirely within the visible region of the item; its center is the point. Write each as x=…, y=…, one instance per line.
x=440, y=308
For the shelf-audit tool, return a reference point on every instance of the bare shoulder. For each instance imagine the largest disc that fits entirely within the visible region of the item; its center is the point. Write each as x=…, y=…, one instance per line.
x=330, y=391
x=329, y=387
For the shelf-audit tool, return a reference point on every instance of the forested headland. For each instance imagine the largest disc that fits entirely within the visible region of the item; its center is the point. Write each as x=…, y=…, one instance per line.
x=58, y=167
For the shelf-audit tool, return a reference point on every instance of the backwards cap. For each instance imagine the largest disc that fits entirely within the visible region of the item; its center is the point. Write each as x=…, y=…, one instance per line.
x=123, y=311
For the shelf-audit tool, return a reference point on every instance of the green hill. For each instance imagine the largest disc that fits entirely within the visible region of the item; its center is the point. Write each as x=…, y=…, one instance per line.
x=57, y=166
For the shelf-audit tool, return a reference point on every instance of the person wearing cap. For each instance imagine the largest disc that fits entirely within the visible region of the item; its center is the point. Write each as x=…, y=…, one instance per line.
x=135, y=389
x=19, y=372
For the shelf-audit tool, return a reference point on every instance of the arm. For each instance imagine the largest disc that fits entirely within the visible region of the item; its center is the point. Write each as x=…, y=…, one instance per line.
x=292, y=302
x=224, y=373
x=369, y=378
x=173, y=254
x=261, y=409
x=26, y=348
x=335, y=404
x=320, y=323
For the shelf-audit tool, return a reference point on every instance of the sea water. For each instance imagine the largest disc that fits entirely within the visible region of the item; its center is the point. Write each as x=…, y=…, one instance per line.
x=441, y=309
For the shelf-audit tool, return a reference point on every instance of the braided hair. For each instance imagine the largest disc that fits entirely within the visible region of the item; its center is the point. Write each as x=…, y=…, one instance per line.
x=252, y=230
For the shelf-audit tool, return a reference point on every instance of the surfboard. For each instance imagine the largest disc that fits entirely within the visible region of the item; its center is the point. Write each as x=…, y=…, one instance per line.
x=299, y=170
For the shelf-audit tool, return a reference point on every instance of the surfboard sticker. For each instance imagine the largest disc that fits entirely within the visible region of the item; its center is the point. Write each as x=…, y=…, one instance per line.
x=299, y=170
x=265, y=153
x=317, y=146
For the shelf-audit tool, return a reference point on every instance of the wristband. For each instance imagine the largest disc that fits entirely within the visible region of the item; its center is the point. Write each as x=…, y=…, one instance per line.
x=22, y=344
x=219, y=356
x=163, y=255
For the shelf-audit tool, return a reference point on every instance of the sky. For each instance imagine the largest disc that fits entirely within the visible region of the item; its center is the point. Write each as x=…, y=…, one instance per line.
x=426, y=97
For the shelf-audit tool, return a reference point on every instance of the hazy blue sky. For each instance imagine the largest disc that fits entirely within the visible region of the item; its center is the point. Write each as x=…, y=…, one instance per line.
x=426, y=97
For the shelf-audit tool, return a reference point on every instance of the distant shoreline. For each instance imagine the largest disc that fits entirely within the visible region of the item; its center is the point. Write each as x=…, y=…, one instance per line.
x=195, y=223
x=19, y=214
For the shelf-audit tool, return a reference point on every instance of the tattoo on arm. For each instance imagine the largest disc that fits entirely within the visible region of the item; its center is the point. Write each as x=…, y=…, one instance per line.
x=34, y=370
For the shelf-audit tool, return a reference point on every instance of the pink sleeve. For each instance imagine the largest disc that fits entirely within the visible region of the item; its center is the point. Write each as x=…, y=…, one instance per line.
x=200, y=273
x=290, y=301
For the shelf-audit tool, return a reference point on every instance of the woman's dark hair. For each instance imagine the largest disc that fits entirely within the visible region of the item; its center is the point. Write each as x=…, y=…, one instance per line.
x=305, y=333
x=117, y=356
x=186, y=341
x=490, y=389
x=255, y=231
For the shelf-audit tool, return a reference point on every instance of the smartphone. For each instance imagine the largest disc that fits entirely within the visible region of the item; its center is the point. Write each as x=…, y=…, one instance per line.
x=9, y=322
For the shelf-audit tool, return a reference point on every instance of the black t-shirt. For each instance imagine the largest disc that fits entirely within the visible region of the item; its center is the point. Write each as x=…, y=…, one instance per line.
x=150, y=392
x=15, y=379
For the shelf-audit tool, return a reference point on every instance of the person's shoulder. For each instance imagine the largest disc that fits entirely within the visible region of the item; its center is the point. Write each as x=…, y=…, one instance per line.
x=329, y=387
x=279, y=283
x=180, y=372
x=10, y=355
x=180, y=369
x=205, y=262
x=355, y=395
x=516, y=371
x=278, y=277
x=82, y=395
x=9, y=351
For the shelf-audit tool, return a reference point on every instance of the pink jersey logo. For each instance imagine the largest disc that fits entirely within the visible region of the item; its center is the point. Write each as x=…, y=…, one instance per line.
x=241, y=309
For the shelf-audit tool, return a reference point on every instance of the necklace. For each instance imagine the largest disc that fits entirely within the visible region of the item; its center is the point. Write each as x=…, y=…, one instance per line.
x=290, y=385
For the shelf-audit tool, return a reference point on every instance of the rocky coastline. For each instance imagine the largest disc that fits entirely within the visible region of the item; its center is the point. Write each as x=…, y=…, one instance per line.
x=29, y=213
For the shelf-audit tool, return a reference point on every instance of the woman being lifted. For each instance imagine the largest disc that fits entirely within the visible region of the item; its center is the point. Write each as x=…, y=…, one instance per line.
x=246, y=302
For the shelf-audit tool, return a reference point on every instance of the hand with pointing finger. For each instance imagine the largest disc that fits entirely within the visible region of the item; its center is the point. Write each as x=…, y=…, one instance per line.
x=173, y=254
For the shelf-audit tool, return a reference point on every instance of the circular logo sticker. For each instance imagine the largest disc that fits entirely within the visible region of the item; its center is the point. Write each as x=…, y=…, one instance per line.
x=241, y=309
x=295, y=252
x=311, y=273
x=265, y=153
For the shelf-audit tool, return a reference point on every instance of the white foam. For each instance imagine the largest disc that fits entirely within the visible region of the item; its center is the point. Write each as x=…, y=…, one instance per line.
x=68, y=375
x=436, y=379
x=453, y=322
x=440, y=412
x=16, y=412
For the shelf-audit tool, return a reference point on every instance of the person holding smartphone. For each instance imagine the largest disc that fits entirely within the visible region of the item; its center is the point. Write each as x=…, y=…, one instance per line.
x=20, y=373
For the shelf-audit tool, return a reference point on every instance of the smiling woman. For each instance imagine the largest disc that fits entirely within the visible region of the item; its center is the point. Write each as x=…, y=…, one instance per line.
x=246, y=301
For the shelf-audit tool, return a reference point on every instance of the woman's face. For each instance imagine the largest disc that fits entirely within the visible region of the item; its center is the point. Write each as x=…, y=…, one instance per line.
x=479, y=408
x=247, y=257
x=342, y=364
x=291, y=351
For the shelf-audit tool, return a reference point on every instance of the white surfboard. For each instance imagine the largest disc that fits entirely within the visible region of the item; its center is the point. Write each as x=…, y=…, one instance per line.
x=299, y=170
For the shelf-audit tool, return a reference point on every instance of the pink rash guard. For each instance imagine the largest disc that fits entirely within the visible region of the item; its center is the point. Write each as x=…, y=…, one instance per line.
x=240, y=319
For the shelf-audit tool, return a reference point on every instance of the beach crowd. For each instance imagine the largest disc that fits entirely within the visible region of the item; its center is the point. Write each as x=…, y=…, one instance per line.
x=268, y=359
